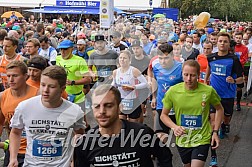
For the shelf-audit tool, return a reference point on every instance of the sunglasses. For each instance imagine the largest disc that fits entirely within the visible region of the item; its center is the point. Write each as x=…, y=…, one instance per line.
x=64, y=48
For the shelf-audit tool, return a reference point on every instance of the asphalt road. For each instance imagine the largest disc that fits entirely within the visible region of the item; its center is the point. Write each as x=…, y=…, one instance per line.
x=235, y=149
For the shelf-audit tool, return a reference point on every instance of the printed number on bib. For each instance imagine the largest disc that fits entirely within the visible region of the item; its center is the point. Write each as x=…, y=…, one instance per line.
x=23, y=135
x=219, y=69
x=127, y=104
x=104, y=72
x=43, y=148
x=202, y=75
x=191, y=121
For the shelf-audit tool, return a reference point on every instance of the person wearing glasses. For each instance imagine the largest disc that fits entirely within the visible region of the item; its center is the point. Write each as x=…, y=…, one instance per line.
x=77, y=73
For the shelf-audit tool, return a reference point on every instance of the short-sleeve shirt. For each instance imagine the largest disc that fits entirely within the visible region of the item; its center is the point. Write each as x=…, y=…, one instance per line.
x=105, y=64
x=141, y=65
x=192, y=112
x=76, y=67
x=49, y=131
x=221, y=67
x=165, y=79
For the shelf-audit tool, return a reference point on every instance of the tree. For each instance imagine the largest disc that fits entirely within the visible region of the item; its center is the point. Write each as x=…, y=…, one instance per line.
x=236, y=10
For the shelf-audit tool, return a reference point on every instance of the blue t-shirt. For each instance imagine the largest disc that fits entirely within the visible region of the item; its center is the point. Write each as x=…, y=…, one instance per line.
x=147, y=48
x=165, y=79
x=221, y=67
x=81, y=54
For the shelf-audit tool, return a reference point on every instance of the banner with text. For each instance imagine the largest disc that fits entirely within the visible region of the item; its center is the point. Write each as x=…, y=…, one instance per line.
x=106, y=13
x=80, y=3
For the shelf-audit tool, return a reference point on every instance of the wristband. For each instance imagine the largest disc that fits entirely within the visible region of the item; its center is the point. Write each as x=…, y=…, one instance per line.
x=234, y=81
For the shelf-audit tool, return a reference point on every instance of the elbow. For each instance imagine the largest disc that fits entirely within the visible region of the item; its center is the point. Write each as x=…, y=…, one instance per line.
x=162, y=117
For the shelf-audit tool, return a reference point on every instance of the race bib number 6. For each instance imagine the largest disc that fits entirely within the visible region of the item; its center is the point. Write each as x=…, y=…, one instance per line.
x=43, y=148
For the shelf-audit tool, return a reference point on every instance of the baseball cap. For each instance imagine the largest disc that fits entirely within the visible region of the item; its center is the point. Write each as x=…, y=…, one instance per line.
x=152, y=37
x=81, y=42
x=136, y=43
x=16, y=28
x=57, y=30
x=99, y=37
x=81, y=34
x=66, y=44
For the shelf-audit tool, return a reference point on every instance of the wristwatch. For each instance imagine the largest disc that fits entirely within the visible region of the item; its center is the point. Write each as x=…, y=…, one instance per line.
x=73, y=83
x=234, y=81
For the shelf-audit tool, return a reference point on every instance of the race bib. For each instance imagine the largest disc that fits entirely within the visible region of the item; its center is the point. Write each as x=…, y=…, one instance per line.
x=128, y=104
x=104, y=72
x=202, y=75
x=50, y=149
x=23, y=135
x=219, y=69
x=71, y=98
x=191, y=121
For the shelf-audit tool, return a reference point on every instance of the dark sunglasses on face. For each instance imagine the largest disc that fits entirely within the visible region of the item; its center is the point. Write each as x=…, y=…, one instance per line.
x=63, y=48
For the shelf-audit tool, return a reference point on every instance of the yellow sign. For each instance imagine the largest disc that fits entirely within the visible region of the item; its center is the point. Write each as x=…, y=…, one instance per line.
x=104, y=16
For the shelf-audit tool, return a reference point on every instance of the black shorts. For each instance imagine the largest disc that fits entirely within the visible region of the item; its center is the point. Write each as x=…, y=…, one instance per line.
x=159, y=126
x=20, y=159
x=188, y=154
x=137, y=110
x=240, y=85
x=246, y=70
x=228, y=105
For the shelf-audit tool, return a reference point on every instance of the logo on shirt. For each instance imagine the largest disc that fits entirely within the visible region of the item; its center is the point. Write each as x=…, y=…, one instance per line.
x=165, y=86
x=172, y=77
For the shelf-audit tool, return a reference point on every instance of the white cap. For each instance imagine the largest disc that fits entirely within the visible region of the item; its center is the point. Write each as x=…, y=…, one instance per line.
x=81, y=41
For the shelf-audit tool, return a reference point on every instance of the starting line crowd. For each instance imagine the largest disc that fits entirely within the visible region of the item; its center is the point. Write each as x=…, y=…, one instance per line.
x=53, y=76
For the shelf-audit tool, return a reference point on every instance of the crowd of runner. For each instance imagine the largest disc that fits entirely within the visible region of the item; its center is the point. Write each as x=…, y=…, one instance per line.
x=54, y=74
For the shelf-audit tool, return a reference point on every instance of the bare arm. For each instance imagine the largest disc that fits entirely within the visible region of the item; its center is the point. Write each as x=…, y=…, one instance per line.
x=218, y=119
x=2, y=118
x=153, y=92
x=178, y=130
x=83, y=81
x=218, y=116
x=15, y=137
x=207, y=75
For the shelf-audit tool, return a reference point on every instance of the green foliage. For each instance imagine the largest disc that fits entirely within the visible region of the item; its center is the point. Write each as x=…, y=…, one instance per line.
x=235, y=10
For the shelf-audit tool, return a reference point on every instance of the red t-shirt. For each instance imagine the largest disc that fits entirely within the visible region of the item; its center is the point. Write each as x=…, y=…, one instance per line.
x=242, y=52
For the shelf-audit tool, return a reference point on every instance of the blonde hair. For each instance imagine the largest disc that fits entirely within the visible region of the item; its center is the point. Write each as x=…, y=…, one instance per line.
x=19, y=64
x=35, y=42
